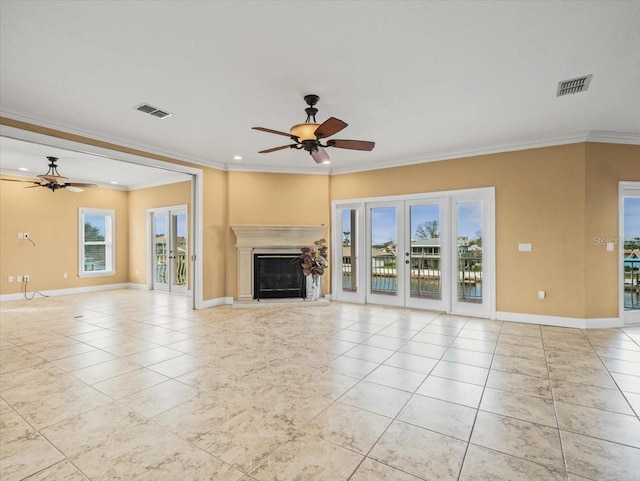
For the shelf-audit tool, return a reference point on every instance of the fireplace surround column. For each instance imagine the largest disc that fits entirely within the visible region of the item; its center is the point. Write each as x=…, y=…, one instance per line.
x=245, y=264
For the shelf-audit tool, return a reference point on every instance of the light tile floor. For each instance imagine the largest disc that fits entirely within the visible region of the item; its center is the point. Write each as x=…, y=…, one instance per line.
x=129, y=385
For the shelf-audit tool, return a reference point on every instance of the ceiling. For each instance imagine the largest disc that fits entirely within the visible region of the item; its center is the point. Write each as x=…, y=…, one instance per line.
x=424, y=80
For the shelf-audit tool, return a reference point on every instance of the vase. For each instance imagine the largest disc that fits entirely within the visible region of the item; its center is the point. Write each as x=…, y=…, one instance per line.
x=314, y=287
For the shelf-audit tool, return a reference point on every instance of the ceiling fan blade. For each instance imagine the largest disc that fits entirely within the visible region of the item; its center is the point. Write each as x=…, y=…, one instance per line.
x=16, y=180
x=37, y=185
x=73, y=188
x=282, y=147
x=277, y=132
x=320, y=156
x=329, y=127
x=79, y=184
x=351, y=144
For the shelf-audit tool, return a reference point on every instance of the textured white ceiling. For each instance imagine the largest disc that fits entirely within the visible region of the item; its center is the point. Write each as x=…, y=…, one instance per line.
x=424, y=80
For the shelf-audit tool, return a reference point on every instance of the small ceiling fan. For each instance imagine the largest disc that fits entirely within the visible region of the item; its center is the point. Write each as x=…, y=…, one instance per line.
x=54, y=181
x=310, y=134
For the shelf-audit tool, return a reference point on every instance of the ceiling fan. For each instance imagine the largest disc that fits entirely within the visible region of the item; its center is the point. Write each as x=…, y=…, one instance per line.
x=310, y=134
x=54, y=181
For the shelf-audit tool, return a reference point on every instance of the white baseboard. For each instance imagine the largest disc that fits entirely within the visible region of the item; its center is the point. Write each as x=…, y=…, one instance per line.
x=73, y=290
x=574, y=322
x=220, y=301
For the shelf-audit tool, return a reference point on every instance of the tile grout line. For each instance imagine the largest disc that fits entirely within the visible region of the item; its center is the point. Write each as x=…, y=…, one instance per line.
x=475, y=418
x=366, y=456
x=637, y=414
x=555, y=409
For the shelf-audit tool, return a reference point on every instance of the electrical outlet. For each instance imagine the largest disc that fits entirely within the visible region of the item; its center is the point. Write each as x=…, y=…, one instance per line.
x=18, y=278
x=26, y=277
x=542, y=294
x=20, y=235
x=10, y=279
x=64, y=275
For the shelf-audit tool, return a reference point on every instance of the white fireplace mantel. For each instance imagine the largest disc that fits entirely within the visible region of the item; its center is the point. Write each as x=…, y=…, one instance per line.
x=252, y=239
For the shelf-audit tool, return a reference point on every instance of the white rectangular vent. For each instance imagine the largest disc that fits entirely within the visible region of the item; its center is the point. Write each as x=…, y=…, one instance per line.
x=151, y=110
x=573, y=86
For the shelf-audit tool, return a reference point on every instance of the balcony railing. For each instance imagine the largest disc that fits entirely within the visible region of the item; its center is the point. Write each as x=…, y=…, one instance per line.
x=470, y=278
x=425, y=276
x=181, y=269
x=631, y=284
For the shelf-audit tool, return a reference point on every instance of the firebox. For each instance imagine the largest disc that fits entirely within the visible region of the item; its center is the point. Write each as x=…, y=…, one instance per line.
x=278, y=276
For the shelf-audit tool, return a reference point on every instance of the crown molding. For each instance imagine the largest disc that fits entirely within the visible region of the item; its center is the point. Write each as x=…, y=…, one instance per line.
x=629, y=138
x=72, y=130
x=276, y=169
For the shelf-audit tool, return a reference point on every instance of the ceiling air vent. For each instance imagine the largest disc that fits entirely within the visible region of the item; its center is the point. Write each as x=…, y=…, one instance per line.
x=573, y=86
x=151, y=110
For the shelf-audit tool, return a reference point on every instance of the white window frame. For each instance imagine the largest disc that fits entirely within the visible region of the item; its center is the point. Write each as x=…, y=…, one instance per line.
x=110, y=244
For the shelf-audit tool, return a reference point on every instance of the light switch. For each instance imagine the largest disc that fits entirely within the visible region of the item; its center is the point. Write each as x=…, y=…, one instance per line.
x=610, y=246
x=525, y=247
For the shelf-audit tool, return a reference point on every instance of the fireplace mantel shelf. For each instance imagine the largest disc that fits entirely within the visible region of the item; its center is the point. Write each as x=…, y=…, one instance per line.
x=254, y=236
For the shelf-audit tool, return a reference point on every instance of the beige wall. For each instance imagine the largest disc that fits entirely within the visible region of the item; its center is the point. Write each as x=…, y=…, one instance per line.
x=552, y=197
x=215, y=232
x=139, y=202
x=51, y=219
x=557, y=198
x=274, y=199
x=606, y=164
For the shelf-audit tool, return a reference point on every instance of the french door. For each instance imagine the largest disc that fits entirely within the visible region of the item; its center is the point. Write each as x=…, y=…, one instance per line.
x=629, y=251
x=429, y=252
x=169, y=249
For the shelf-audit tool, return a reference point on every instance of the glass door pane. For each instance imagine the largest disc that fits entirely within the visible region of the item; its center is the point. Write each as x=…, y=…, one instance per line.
x=179, y=251
x=631, y=256
x=383, y=246
x=349, y=245
x=469, y=256
x=425, y=255
x=161, y=251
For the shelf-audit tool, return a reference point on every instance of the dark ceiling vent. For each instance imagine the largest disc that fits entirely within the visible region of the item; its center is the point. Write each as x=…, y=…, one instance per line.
x=151, y=110
x=573, y=86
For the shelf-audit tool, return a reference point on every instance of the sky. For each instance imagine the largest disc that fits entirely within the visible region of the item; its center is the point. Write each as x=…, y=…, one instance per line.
x=161, y=225
x=384, y=220
x=631, y=217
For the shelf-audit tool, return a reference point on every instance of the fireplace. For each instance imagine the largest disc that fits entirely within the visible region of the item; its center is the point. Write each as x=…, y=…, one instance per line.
x=278, y=276
x=269, y=240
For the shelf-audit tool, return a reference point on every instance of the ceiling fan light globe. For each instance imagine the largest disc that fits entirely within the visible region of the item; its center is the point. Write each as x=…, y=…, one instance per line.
x=304, y=131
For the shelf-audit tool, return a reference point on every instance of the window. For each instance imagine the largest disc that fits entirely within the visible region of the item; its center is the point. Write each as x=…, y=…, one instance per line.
x=97, y=242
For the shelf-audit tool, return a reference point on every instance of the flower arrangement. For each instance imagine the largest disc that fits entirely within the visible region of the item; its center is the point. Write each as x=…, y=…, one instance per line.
x=314, y=259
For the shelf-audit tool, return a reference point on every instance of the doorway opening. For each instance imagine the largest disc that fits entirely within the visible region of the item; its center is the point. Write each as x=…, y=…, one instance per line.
x=169, y=248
